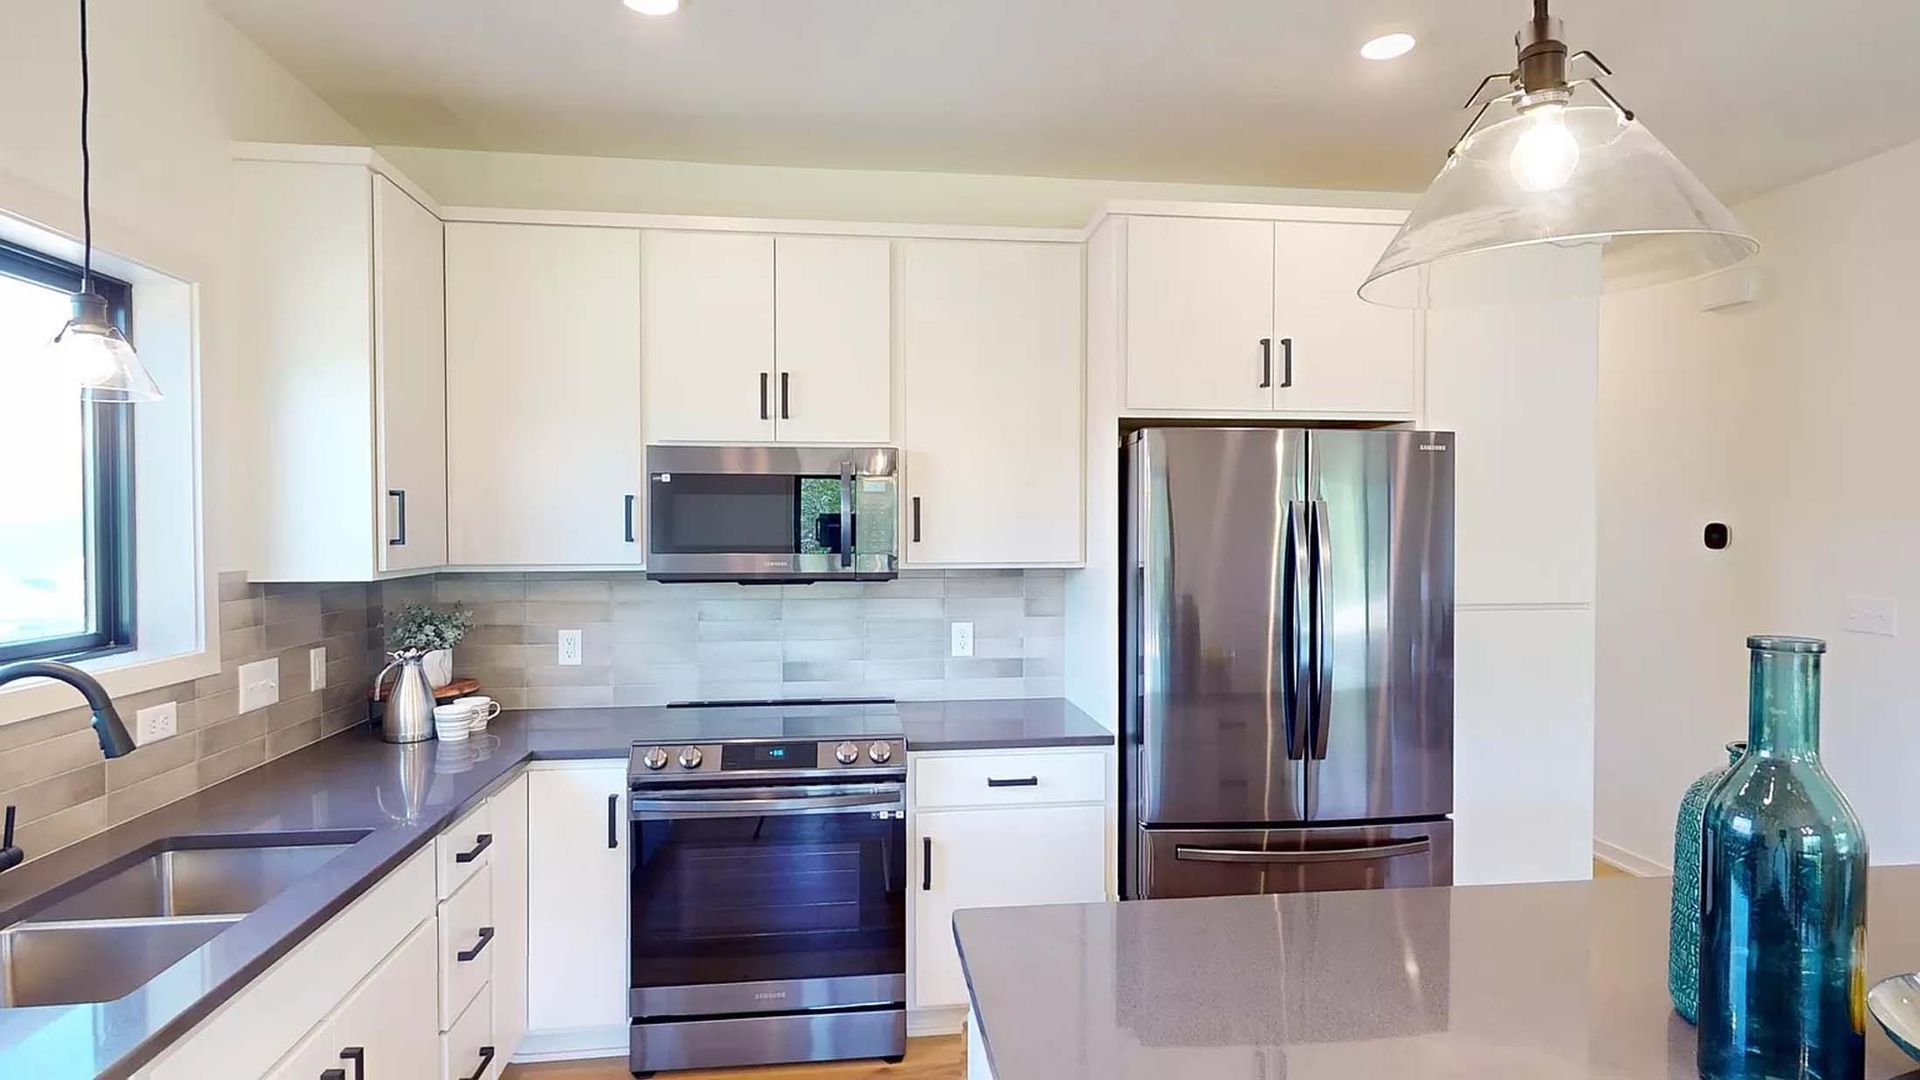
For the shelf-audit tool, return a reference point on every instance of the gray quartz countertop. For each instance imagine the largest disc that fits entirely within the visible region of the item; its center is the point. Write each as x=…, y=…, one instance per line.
x=353, y=787
x=1529, y=982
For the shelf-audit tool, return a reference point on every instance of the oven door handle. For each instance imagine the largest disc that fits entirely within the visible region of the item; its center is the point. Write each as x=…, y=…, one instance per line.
x=722, y=807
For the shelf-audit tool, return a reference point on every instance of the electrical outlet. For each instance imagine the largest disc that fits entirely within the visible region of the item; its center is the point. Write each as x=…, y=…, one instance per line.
x=156, y=722
x=962, y=638
x=1873, y=615
x=259, y=684
x=569, y=648
x=317, y=668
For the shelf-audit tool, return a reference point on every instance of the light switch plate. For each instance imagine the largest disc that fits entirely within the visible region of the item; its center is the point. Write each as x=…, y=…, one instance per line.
x=962, y=638
x=317, y=668
x=569, y=648
x=1873, y=615
x=156, y=722
x=259, y=684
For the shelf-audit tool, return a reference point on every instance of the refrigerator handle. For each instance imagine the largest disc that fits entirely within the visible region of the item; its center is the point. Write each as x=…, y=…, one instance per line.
x=1322, y=630
x=1417, y=846
x=1295, y=698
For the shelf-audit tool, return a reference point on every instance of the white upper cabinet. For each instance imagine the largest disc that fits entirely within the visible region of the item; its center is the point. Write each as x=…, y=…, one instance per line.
x=1258, y=317
x=755, y=339
x=991, y=362
x=341, y=315
x=543, y=395
x=833, y=340
x=706, y=317
x=1199, y=314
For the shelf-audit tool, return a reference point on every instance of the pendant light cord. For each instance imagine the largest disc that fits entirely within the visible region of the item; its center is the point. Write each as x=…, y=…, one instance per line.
x=86, y=163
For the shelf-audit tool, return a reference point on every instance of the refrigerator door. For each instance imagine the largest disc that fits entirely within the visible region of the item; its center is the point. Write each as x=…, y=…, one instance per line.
x=1216, y=522
x=1381, y=648
x=1240, y=862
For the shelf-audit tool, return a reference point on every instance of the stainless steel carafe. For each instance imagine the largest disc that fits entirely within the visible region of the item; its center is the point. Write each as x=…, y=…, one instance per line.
x=409, y=716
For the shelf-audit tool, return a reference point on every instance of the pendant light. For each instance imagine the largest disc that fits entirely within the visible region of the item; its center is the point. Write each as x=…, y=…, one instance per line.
x=1558, y=184
x=90, y=351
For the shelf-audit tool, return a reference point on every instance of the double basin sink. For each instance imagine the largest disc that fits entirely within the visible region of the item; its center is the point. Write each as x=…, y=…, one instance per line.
x=115, y=929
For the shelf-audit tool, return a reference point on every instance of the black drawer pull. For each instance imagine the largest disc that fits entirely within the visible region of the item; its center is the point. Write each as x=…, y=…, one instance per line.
x=465, y=955
x=1018, y=781
x=926, y=864
x=358, y=1056
x=484, y=841
x=486, y=1061
x=334, y=1074
x=613, y=827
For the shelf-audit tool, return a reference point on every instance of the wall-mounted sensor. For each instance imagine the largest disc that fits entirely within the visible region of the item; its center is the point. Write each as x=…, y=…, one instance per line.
x=1716, y=535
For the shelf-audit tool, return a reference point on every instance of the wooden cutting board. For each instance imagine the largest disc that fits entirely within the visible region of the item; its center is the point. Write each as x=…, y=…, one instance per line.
x=458, y=688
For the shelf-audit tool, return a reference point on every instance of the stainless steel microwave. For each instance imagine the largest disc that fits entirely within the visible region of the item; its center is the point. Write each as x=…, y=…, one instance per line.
x=771, y=514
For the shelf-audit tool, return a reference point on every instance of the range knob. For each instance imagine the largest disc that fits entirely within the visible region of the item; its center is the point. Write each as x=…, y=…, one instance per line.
x=690, y=757
x=655, y=758
x=880, y=752
x=846, y=753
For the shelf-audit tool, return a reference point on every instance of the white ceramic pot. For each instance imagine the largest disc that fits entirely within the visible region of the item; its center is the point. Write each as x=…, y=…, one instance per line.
x=439, y=667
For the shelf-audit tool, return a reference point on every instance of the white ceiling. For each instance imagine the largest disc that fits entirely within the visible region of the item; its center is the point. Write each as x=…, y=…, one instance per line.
x=1752, y=93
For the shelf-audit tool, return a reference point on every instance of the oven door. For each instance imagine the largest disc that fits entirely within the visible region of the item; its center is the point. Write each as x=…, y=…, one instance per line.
x=768, y=899
x=771, y=513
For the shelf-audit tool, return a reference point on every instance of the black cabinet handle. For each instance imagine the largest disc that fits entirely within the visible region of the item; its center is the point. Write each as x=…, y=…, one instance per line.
x=786, y=398
x=483, y=842
x=1266, y=362
x=357, y=1055
x=486, y=1059
x=1020, y=781
x=630, y=500
x=1286, y=361
x=465, y=955
x=399, y=539
x=926, y=864
x=763, y=397
x=613, y=829
x=916, y=519
x=334, y=1074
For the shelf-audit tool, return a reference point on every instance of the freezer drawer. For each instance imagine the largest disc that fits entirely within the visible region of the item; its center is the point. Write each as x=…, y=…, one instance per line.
x=1244, y=862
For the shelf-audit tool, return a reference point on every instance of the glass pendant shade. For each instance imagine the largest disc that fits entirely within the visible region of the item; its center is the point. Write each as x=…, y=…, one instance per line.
x=1555, y=183
x=91, y=353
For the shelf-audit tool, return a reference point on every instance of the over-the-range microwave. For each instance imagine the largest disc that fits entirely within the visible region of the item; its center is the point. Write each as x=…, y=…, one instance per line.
x=773, y=514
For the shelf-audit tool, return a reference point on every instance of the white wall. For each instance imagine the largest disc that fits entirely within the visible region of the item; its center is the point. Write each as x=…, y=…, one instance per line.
x=550, y=182
x=1790, y=419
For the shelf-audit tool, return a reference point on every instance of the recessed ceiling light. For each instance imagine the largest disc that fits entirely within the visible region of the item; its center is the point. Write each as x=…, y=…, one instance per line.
x=654, y=7
x=1384, y=47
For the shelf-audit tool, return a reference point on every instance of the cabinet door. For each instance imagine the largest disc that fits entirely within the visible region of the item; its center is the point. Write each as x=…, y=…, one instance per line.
x=1199, y=301
x=390, y=1017
x=991, y=366
x=1349, y=356
x=577, y=898
x=995, y=858
x=508, y=810
x=706, y=323
x=543, y=395
x=410, y=379
x=833, y=340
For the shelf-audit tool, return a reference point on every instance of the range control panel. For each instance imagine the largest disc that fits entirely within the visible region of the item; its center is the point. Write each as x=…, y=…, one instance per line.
x=761, y=756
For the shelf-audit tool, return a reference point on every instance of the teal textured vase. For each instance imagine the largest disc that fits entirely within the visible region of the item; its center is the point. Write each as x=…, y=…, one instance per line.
x=1683, y=926
x=1783, y=906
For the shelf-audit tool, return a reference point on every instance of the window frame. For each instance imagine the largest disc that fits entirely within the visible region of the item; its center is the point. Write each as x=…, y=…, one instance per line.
x=108, y=476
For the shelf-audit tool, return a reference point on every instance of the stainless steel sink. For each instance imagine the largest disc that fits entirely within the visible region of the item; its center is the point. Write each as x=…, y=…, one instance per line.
x=131, y=923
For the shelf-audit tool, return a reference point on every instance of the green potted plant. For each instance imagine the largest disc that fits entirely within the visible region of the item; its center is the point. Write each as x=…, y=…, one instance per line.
x=431, y=631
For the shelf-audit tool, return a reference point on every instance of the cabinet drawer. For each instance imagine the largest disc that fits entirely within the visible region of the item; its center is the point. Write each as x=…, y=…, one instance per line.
x=466, y=945
x=1008, y=779
x=467, y=1050
x=463, y=848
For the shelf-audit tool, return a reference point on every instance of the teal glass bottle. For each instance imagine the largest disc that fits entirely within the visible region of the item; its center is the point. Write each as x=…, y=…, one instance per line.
x=1783, y=907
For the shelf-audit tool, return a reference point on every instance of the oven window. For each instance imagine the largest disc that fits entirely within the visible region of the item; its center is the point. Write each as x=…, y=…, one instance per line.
x=723, y=514
x=749, y=899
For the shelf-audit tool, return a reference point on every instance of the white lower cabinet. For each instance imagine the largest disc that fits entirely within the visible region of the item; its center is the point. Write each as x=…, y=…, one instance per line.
x=577, y=906
x=508, y=810
x=384, y=1028
x=1010, y=847
x=466, y=946
x=468, y=1050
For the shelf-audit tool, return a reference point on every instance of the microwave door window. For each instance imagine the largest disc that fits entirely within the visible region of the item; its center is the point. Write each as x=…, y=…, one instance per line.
x=698, y=514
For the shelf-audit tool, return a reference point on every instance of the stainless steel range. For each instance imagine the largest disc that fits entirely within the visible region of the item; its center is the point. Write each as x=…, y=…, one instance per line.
x=767, y=886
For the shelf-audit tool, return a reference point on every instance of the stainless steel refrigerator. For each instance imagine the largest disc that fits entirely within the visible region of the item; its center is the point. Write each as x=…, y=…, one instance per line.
x=1287, y=661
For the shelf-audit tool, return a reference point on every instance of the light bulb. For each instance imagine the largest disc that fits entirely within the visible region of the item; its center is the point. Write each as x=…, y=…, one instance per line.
x=89, y=353
x=1388, y=47
x=1546, y=153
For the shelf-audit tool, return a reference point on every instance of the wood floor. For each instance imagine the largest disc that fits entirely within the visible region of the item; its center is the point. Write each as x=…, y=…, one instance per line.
x=1606, y=870
x=935, y=1058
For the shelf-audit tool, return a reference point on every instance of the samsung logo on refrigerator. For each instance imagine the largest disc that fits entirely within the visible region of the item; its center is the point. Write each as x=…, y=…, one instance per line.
x=1430, y=446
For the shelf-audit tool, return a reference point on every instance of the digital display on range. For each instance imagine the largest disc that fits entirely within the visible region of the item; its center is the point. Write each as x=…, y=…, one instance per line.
x=784, y=755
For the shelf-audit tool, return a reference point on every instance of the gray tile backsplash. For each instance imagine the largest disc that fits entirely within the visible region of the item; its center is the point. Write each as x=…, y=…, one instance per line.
x=648, y=643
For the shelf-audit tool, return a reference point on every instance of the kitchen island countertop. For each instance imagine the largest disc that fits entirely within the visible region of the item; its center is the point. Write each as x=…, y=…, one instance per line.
x=1529, y=982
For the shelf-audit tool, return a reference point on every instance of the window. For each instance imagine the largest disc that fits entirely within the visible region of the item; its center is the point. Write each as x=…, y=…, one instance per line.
x=66, y=505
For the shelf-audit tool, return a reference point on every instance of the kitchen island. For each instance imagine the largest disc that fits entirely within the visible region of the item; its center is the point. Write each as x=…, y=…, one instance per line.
x=1530, y=982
